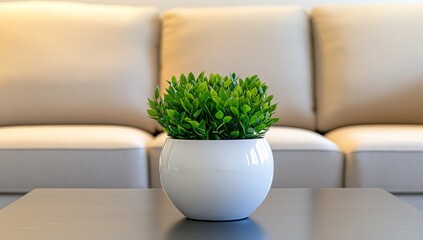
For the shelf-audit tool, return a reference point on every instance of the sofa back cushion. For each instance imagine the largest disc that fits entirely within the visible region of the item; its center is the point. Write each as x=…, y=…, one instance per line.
x=272, y=42
x=74, y=63
x=369, y=61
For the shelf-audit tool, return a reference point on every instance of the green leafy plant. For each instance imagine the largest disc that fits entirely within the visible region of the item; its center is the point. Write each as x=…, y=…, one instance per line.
x=213, y=108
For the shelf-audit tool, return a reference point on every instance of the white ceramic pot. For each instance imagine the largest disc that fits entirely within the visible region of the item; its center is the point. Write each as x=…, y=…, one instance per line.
x=216, y=180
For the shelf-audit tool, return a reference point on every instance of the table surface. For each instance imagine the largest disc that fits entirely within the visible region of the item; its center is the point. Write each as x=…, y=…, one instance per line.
x=124, y=214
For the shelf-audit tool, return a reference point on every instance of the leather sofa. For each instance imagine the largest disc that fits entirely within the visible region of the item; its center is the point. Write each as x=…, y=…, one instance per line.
x=74, y=79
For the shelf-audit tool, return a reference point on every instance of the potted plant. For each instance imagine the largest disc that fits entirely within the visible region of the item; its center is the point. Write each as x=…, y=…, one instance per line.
x=216, y=164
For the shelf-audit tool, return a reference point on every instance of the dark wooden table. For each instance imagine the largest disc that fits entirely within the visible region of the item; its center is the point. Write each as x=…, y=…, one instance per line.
x=136, y=214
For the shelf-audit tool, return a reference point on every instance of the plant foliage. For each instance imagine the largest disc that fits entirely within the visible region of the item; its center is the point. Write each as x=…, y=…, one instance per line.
x=213, y=108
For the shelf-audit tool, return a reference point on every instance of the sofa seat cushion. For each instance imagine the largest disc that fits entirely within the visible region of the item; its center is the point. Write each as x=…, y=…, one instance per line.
x=302, y=158
x=72, y=157
x=272, y=42
x=76, y=63
x=385, y=156
x=369, y=64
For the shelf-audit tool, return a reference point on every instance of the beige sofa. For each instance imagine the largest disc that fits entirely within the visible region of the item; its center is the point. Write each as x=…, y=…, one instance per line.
x=74, y=79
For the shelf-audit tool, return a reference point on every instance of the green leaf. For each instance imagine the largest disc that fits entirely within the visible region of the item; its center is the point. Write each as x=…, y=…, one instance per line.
x=245, y=108
x=234, y=103
x=196, y=103
x=272, y=108
x=218, y=77
x=272, y=121
x=253, y=120
x=181, y=129
x=227, y=119
x=213, y=93
x=219, y=115
x=185, y=104
x=234, y=111
x=183, y=79
x=157, y=93
x=202, y=97
x=234, y=134
x=227, y=83
x=212, y=78
x=152, y=113
x=222, y=94
x=269, y=98
x=175, y=81
x=189, y=95
x=170, y=113
x=248, y=94
x=151, y=103
x=191, y=77
x=194, y=123
x=198, y=112
x=203, y=124
x=260, y=127
x=238, y=90
x=201, y=76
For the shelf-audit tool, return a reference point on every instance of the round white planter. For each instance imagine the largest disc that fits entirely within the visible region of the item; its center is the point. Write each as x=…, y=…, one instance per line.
x=216, y=180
